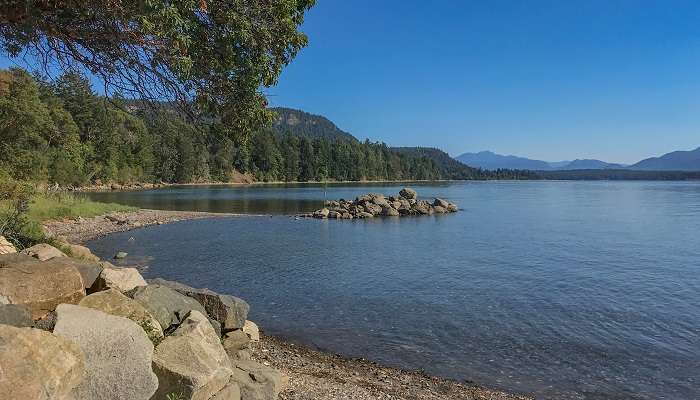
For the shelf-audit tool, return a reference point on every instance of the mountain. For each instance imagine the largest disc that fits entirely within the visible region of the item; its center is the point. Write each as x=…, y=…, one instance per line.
x=587, y=164
x=674, y=161
x=490, y=160
x=301, y=123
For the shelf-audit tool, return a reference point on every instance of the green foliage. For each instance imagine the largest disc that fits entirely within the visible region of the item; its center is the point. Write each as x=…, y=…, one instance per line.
x=214, y=54
x=15, y=225
x=59, y=205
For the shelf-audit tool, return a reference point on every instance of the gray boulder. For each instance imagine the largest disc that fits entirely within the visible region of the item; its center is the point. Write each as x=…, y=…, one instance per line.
x=258, y=382
x=191, y=362
x=230, y=311
x=439, y=210
x=390, y=212
x=38, y=365
x=408, y=193
x=441, y=203
x=118, y=355
x=165, y=304
x=15, y=315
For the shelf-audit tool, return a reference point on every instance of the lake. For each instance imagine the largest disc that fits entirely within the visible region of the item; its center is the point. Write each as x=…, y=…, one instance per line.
x=566, y=290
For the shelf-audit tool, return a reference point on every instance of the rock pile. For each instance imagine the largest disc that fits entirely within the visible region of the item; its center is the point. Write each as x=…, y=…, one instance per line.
x=373, y=205
x=84, y=329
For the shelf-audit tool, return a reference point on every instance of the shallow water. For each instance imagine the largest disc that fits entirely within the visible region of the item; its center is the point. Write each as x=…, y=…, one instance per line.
x=581, y=290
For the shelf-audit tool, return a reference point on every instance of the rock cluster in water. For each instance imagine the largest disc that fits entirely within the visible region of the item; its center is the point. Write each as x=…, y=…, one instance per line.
x=84, y=329
x=372, y=205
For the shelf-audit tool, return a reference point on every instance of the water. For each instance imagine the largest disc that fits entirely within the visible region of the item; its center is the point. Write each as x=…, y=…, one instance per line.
x=572, y=290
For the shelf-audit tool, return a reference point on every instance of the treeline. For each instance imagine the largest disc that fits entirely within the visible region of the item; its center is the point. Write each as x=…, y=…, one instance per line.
x=63, y=132
x=618, y=175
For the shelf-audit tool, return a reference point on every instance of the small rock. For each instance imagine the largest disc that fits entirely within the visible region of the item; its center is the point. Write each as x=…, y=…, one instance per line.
x=43, y=252
x=251, y=329
x=440, y=210
x=120, y=255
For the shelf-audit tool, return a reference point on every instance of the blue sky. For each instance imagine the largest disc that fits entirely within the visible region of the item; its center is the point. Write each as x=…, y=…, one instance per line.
x=614, y=80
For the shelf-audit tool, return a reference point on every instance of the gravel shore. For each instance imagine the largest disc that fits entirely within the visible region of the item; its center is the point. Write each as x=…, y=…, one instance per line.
x=313, y=375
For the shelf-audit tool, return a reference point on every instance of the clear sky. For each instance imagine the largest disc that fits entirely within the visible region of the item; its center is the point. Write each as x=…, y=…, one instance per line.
x=553, y=80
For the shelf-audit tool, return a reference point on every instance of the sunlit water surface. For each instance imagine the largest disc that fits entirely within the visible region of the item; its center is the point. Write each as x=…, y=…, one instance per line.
x=581, y=290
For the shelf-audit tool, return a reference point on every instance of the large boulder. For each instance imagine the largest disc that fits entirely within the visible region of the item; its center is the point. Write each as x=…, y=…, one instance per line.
x=40, y=286
x=118, y=355
x=390, y=212
x=122, y=279
x=408, y=193
x=192, y=362
x=43, y=252
x=113, y=302
x=81, y=252
x=235, y=340
x=6, y=247
x=256, y=381
x=230, y=311
x=38, y=365
x=16, y=315
x=168, y=306
x=230, y=392
x=89, y=270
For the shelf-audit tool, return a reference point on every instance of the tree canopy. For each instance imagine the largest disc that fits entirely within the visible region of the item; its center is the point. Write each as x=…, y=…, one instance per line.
x=213, y=54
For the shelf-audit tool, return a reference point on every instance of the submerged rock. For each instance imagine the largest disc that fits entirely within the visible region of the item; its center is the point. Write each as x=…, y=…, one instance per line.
x=38, y=365
x=118, y=355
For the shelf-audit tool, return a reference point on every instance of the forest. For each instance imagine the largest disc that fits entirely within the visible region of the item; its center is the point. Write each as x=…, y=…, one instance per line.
x=61, y=131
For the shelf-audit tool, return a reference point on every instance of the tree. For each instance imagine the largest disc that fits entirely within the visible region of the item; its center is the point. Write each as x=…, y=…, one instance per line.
x=215, y=54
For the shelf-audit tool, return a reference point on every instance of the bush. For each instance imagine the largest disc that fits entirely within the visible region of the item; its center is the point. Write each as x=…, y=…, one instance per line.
x=15, y=225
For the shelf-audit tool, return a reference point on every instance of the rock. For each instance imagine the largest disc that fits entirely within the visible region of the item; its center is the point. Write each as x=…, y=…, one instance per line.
x=441, y=203
x=118, y=355
x=113, y=302
x=333, y=214
x=81, y=252
x=346, y=215
x=408, y=193
x=373, y=208
x=364, y=214
x=43, y=252
x=217, y=327
x=251, y=329
x=230, y=392
x=89, y=270
x=322, y=213
x=191, y=362
x=165, y=304
x=421, y=207
x=37, y=365
x=381, y=202
x=120, y=255
x=440, y=210
x=452, y=208
x=390, y=212
x=122, y=279
x=258, y=382
x=229, y=310
x=6, y=247
x=235, y=341
x=15, y=315
x=47, y=323
x=40, y=286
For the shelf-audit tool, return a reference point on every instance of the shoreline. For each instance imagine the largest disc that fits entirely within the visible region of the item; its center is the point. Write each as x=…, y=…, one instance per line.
x=313, y=374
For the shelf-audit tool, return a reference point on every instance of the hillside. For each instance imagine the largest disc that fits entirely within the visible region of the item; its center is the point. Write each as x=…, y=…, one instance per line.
x=301, y=123
x=491, y=161
x=588, y=164
x=674, y=161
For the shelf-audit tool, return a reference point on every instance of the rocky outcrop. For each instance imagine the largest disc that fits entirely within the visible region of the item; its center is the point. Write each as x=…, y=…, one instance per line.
x=230, y=311
x=15, y=315
x=113, y=302
x=168, y=306
x=191, y=361
x=118, y=355
x=43, y=252
x=6, y=247
x=373, y=205
x=122, y=279
x=252, y=331
x=40, y=286
x=256, y=381
x=38, y=365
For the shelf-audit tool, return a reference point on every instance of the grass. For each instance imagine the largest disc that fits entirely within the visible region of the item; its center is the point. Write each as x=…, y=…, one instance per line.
x=54, y=206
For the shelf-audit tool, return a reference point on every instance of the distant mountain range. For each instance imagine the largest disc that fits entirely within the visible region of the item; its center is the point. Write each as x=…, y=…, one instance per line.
x=675, y=161
x=491, y=160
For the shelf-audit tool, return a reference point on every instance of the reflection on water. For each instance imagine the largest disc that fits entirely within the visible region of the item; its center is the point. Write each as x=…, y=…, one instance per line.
x=564, y=290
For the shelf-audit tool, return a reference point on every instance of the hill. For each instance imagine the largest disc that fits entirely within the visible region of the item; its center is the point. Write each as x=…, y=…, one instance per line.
x=301, y=123
x=588, y=164
x=674, y=161
x=491, y=161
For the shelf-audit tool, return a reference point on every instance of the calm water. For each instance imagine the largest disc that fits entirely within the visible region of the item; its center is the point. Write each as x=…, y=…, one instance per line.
x=573, y=290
